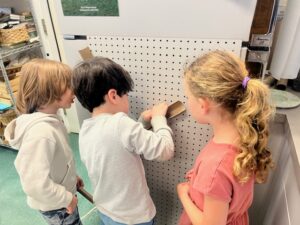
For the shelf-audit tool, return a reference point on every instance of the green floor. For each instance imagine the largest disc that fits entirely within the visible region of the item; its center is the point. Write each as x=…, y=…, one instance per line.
x=13, y=207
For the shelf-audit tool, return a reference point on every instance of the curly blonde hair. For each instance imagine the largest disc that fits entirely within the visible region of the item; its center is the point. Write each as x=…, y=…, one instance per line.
x=218, y=76
x=42, y=82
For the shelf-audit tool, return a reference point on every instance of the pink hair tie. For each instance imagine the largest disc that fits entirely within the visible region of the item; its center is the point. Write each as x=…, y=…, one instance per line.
x=245, y=81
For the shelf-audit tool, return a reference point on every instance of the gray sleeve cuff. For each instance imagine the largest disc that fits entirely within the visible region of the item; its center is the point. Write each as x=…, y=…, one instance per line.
x=146, y=124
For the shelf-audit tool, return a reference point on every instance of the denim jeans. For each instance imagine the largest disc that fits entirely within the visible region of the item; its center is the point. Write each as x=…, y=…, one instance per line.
x=105, y=220
x=61, y=217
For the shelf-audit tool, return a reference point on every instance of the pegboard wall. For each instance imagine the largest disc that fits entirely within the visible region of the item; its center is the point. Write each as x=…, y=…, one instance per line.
x=156, y=65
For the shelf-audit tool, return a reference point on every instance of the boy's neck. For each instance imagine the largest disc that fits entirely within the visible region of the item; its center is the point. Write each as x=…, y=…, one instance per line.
x=49, y=109
x=104, y=109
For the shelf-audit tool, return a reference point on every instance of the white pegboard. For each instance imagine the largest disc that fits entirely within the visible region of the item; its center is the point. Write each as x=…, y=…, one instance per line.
x=156, y=65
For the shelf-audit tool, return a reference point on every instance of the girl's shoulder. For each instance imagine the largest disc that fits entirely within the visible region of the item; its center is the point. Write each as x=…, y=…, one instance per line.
x=216, y=158
x=218, y=152
x=214, y=170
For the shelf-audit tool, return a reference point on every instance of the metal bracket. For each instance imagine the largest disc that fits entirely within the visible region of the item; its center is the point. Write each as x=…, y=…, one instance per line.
x=260, y=57
x=261, y=40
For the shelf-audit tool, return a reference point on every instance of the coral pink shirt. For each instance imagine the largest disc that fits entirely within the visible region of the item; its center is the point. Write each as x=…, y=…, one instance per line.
x=213, y=176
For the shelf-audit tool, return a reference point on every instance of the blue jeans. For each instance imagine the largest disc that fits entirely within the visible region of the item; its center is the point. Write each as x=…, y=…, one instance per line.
x=105, y=220
x=61, y=217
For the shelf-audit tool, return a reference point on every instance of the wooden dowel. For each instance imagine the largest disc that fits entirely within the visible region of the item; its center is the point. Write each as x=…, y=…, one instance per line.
x=85, y=194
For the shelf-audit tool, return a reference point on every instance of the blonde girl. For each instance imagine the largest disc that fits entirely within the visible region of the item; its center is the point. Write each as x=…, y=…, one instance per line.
x=219, y=190
x=45, y=162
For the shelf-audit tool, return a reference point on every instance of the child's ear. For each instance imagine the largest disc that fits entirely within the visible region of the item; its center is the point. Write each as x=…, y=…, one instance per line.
x=204, y=104
x=112, y=95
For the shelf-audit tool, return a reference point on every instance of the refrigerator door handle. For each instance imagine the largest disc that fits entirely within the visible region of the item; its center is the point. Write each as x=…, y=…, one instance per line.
x=74, y=37
x=44, y=26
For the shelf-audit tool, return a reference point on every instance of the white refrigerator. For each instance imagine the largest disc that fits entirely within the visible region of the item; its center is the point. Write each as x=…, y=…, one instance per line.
x=191, y=19
x=153, y=40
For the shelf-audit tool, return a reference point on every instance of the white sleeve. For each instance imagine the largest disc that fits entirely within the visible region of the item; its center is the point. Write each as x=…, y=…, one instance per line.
x=146, y=124
x=153, y=145
x=33, y=164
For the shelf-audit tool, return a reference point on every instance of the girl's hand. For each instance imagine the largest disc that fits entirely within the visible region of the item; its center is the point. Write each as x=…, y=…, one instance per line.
x=79, y=182
x=189, y=174
x=183, y=189
x=72, y=206
x=147, y=115
x=160, y=109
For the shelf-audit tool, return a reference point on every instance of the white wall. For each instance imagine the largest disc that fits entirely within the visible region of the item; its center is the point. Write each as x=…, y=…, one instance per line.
x=212, y=19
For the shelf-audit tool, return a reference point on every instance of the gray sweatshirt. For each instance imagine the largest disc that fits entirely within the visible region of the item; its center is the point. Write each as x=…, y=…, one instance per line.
x=44, y=162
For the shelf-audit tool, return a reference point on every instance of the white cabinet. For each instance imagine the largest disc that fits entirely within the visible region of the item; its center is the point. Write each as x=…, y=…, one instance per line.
x=292, y=192
x=284, y=206
x=279, y=215
x=278, y=201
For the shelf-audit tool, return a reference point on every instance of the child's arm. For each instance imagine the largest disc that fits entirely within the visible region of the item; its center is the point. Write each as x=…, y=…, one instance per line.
x=145, y=119
x=189, y=174
x=72, y=206
x=33, y=164
x=156, y=145
x=215, y=211
x=161, y=128
x=157, y=110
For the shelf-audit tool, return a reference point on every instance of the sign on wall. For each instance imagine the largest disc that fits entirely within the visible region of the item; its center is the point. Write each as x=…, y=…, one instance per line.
x=90, y=7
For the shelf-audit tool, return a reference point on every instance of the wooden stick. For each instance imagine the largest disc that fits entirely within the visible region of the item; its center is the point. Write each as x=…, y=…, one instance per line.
x=85, y=194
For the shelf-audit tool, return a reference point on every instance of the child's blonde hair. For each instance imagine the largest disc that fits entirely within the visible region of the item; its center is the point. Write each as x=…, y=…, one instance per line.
x=219, y=76
x=42, y=82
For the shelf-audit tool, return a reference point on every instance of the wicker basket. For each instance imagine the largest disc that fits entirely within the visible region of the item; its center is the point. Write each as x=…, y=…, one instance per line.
x=2, y=138
x=11, y=72
x=7, y=116
x=14, y=35
x=2, y=127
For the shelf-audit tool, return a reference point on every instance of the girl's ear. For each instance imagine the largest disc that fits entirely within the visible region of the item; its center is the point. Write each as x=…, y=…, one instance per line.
x=112, y=96
x=204, y=105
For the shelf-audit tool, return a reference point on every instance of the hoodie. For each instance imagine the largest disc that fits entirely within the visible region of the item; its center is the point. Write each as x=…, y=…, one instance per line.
x=44, y=162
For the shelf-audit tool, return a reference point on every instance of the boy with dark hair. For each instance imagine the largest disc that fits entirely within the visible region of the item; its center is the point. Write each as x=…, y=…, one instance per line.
x=111, y=143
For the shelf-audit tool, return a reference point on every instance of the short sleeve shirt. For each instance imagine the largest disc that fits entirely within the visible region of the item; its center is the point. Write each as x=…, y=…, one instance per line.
x=213, y=176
